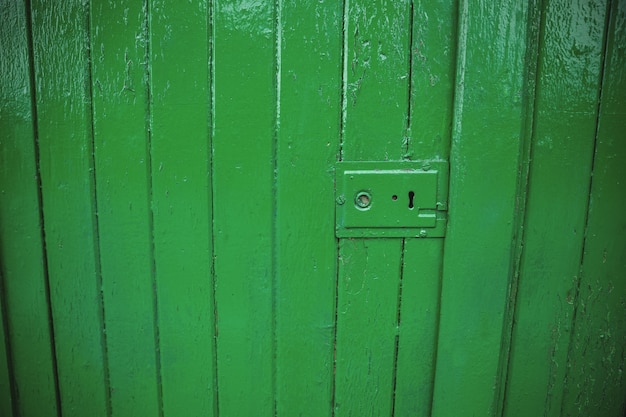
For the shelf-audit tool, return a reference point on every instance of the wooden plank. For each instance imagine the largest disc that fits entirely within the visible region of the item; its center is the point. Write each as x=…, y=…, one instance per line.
x=376, y=77
x=179, y=85
x=22, y=259
x=119, y=45
x=6, y=377
x=485, y=154
x=418, y=325
x=243, y=178
x=595, y=381
x=366, y=325
x=562, y=152
x=430, y=120
x=433, y=59
x=66, y=148
x=308, y=145
x=375, y=111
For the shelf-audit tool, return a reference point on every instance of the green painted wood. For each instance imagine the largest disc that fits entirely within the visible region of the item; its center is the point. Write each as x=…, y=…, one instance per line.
x=562, y=149
x=375, y=111
x=6, y=400
x=367, y=311
x=180, y=152
x=429, y=128
x=523, y=180
x=307, y=148
x=243, y=178
x=595, y=381
x=22, y=256
x=485, y=153
x=418, y=325
x=433, y=59
x=119, y=57
x=228, y=304
x=64, y=126
x=376, y=78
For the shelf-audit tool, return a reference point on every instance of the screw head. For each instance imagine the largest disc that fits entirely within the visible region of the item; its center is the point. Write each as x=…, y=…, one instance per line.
x=341, y=200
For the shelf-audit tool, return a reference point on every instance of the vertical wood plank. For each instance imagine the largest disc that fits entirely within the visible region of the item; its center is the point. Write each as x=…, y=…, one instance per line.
x=562, y=150
x=376, y=77
x=375, y=111
x=308, y=144
x=61, y=56
x=418, y=325
x=6, y=374
x=485, y=153
x=430, y=120
x=243, y=178
x=369, y=271
x=179, y=57
x=119, y=45
x=595, y=380
x=22, y=259
x=433, y=60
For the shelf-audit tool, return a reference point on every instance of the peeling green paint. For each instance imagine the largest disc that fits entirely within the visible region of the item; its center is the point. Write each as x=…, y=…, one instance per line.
x=168, y=194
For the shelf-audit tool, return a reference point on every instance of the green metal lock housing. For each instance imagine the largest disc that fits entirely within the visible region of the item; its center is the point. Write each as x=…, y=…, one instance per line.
x=391, y=199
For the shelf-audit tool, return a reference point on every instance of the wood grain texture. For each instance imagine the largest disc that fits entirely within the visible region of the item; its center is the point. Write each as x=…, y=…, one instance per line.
x=6, y=397
x=23, y=261
x=120, y=61
x=418, y=326
x=243, y=183
x=63, y=95
x=375, y=111
x=181, y=184
x=433, y=67
x=560, y=170
x=367, y=311
x=167, y=208
x=307, y=148
x=595, y=381
x=485, y=153
x=432, y=71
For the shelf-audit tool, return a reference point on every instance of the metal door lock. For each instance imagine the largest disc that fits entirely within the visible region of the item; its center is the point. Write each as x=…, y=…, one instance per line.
x=391, y=199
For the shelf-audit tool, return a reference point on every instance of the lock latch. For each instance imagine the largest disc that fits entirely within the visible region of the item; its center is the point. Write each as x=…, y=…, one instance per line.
x=391, y=199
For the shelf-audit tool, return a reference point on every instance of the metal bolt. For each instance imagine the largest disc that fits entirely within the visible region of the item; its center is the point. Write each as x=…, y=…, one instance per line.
x=423, y=233
x=341, y=200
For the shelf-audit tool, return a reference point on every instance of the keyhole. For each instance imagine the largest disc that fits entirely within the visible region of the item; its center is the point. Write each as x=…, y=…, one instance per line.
x=411, y=195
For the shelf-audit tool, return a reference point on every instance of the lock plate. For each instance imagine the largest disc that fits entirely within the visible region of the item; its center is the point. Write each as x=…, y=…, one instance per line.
x=391, y=199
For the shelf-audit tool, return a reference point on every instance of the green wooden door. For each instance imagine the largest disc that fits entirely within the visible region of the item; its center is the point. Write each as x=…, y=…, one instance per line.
x=170, y=178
